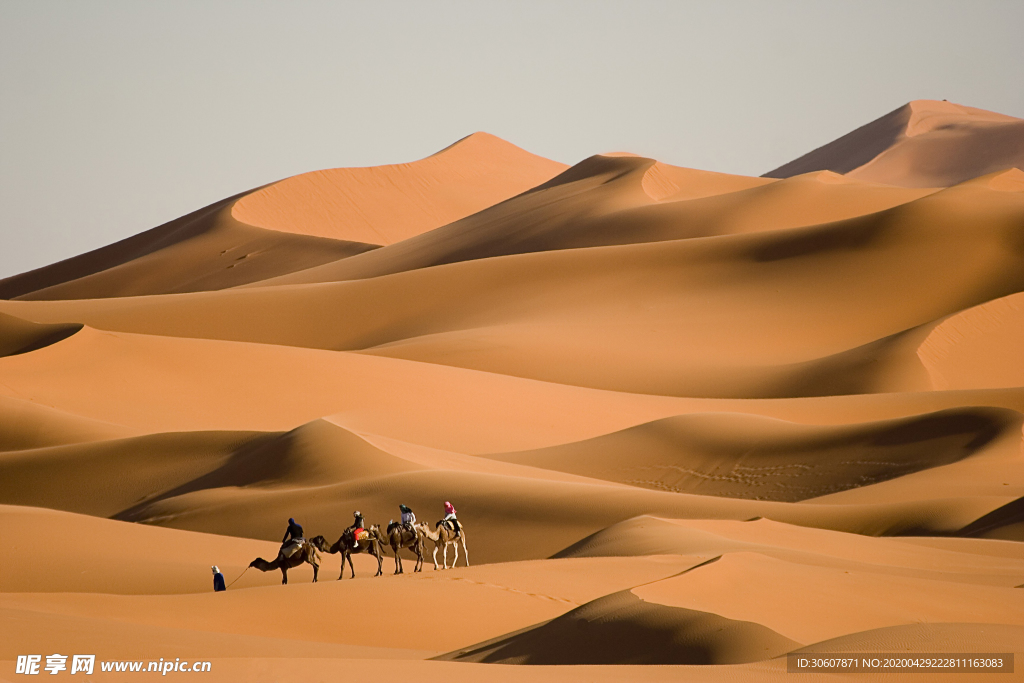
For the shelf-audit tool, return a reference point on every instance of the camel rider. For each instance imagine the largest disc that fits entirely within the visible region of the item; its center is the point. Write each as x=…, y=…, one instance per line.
x=408, y=517
x=357, y=530
x=292, y=537
x=449, y=516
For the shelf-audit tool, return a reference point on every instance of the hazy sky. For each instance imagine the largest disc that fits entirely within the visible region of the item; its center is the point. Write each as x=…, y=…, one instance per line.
x=117, y=117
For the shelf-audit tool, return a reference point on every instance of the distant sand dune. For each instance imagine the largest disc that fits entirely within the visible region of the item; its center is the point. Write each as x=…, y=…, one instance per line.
x=606, y=201
x=387, y=204
x=807, y=295
x=741, y=456
x=922, y=144
x=204, y=250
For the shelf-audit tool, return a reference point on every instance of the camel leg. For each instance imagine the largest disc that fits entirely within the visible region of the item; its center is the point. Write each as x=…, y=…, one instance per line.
x=351, y=567
x=379, y=554
x=342, y=574
x=316, y=570
x=398, y=560
x=464, y=551
x=456, y=560
x=434, y=555
x=284, y=574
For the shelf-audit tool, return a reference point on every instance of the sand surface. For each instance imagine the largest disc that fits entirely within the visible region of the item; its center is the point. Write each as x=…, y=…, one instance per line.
x=691, y=421
x=924, y=143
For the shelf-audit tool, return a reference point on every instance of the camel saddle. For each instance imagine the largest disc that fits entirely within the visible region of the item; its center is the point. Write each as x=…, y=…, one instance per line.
x=291, y=547
x=451, y=524
x=407, y=533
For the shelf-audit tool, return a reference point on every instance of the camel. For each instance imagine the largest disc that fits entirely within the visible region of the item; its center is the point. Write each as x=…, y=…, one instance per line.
x=400, y=537
x=445, y=536
x=306, y=553
x=347, y=546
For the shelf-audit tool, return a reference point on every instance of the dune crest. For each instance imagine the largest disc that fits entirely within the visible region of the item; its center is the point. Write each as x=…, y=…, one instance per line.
x=977, y=347
x=19, y=336
x=664, y=182
x=204, y=250
x=387, y=204
x=925, y=143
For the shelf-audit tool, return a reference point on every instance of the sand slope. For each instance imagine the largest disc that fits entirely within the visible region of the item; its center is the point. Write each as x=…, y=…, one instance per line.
x=720, y=610
x=294, y=224
x=924, y=143
x=204, y=250
x=818, y=315
x=21, y=336
x=741, y=456
x=606, y=201
x=598, y=610
x=25, y=424
x=623, y=629
x=386, y=204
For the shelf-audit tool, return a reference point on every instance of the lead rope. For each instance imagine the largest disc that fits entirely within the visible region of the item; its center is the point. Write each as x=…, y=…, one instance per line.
x=239, y=576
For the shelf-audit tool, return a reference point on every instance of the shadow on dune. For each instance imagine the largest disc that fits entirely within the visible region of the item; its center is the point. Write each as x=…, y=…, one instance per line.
x=1006, y=523
x=623, y=629
x=19, y=336
x=743, y=456
x=204, y=250
x=313, y=454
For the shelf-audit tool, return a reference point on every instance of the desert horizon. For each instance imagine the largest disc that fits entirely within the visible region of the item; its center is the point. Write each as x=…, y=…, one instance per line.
x=692, y=422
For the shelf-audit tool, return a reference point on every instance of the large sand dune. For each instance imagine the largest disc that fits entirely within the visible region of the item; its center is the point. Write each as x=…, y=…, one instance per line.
x=924, y=143
x=688, y=418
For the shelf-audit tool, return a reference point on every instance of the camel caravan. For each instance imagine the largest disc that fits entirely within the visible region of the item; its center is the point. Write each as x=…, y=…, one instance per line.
x=406, y=533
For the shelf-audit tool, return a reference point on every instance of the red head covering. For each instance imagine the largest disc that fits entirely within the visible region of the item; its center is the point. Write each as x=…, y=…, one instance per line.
x=448, y=509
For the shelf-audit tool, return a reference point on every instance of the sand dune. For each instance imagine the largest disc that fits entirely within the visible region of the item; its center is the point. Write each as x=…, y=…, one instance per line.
x=294, y=224
x=1007, y=522
x=977, y=347
x=24, y=425
x=834, y=602
x=959, y=637
x=922, y=144
x=75, y=556
x=205, y=250
x=169, y=591
x=741, y=456
x=628, y=602
x=665, y=182
x=387, y=204
x=608, y=201
x=980, y=562
x=77, y=477
x=623, y=629
x=261, y=387
x=818, y=314
x=656, y=623
x=21, y=336
x=689, y=419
